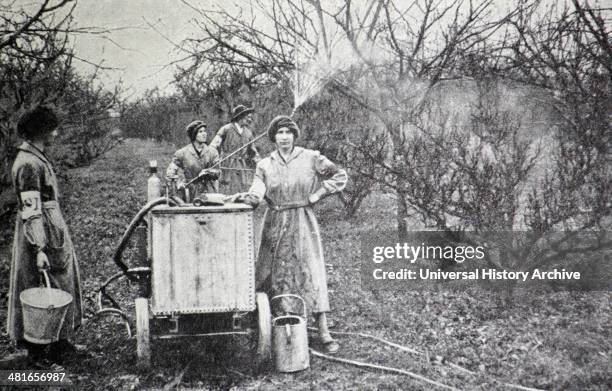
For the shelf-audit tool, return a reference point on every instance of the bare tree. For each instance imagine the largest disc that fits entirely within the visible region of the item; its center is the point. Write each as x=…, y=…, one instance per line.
x=90, y=119
x=20, y=27
x=222, y=87
x=36, y=68
x=399, y=63
x=474, y=170
x=567, y=53
x=34, y=58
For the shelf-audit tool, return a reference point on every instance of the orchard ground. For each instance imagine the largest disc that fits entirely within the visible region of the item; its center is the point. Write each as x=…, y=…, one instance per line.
x=552, y=340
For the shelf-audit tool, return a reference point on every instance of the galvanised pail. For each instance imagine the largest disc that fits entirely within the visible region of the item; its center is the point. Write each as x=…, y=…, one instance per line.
x=44, y=310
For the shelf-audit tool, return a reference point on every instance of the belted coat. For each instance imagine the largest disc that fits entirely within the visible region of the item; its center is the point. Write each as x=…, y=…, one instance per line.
x=40, y=226
x=290, y=257
x=187, y=163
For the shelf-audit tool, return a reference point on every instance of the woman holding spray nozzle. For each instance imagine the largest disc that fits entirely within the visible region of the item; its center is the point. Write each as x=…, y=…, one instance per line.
x=194, y=160
x=290, y=259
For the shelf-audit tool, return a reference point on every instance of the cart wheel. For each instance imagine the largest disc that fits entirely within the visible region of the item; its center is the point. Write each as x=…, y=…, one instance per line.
x=264, y=328
x=143, y=342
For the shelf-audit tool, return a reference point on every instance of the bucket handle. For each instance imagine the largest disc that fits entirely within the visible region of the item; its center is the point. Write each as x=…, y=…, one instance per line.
x=48, y=285
x=46, y=276
x=294, y=296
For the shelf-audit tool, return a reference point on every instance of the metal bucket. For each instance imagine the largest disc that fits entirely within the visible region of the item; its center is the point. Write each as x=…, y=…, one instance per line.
x=290, y=340
x=44, y=310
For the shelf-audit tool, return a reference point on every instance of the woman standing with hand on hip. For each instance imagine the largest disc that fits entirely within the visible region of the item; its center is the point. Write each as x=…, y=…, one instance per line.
x=290, y=259
x=42, y=241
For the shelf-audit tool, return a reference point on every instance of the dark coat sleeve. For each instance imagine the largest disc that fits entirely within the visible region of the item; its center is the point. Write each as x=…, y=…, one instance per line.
x=28, y=185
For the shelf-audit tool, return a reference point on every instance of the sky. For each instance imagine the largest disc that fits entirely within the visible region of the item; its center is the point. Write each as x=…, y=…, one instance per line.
x=139, y=52
x=142, y=39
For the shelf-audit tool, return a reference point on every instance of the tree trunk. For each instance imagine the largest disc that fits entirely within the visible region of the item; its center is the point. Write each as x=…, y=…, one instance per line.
x=402, y=215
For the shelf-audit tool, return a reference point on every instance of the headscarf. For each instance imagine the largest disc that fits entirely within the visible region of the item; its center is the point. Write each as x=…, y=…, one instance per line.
x=192, y=129
x=282, y=121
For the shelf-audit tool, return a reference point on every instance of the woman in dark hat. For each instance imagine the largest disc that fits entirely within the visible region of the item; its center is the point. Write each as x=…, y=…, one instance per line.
x=42, y=240
x=237, y=170
x=194, y=160
x=290, y=259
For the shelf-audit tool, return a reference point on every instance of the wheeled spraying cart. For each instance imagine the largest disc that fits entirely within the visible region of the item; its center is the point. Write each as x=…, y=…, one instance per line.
x=202, y=280
x=201, y=277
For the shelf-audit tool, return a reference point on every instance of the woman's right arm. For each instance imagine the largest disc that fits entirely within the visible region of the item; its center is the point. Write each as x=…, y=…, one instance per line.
x=257, y=191
x=217, y=141
x=175, y=168
x=28, y=183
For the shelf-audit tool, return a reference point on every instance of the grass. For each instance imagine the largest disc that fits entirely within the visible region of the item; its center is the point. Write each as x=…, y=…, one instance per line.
x=556, y=340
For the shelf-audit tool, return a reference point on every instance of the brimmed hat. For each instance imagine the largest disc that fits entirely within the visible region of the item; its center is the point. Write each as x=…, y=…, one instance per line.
x=240, y=111
x=37, y=122
x=282, y=121
x=192, y=129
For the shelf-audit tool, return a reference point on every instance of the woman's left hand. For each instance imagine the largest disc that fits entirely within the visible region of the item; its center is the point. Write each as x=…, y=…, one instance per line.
x=42, y=262
x=316, y=196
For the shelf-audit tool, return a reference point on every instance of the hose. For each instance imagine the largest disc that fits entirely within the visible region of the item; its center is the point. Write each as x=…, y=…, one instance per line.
x=383, y=368
x=102, y=292
x=130, y=229
x=114, y=311
x=133, y=274
x=397, y=370
x=218, y=163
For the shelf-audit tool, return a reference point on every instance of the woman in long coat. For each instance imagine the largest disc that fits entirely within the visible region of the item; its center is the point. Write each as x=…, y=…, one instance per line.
x=290, y=258
x=237, y=171
x=42, y=240
x=193, y=160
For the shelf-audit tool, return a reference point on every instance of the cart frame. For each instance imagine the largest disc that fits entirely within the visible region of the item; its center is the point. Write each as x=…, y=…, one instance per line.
x=201, y=281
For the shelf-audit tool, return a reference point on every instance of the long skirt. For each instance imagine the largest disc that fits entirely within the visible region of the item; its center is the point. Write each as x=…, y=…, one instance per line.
x=290, y=259
x=63, y=274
